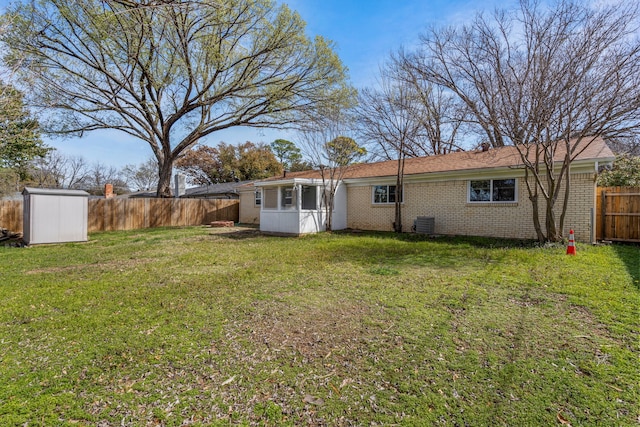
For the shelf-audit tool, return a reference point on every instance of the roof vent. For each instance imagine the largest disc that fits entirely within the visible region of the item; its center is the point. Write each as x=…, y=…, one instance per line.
x=485, y=146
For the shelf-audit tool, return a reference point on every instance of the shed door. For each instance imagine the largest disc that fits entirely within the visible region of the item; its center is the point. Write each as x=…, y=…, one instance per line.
x=58, y=219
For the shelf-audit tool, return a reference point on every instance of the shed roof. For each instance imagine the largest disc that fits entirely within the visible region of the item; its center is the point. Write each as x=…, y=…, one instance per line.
x=54, y=192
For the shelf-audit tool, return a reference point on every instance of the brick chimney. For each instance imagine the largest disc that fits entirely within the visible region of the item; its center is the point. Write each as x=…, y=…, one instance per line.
x=108, y=191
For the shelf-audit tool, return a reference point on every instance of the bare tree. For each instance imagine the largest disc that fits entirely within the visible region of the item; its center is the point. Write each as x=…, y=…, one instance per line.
x=444, y=118
x=629, y=145
x=332, y=152
x=142, y=177
x=405, y=116
x=390, y=118
x=171, y=73
x=57, y=170
x=548, y=81
x=98, y=176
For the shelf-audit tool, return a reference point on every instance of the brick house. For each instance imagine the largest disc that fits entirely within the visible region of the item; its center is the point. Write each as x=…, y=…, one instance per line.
x=475, y=193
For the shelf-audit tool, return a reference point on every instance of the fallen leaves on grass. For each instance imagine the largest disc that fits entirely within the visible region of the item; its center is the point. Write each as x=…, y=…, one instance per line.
x=313, y=400
x=562, y=420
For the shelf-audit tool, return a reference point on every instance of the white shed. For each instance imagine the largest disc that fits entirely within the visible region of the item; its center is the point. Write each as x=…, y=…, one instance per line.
x=54, y=216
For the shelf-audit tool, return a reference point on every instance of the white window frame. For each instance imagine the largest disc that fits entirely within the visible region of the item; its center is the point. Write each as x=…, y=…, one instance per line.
x=291, y=197
x=257, y=200
x=491, y=180
x=373, y=194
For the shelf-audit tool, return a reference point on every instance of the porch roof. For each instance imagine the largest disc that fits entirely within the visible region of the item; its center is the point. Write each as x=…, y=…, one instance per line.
x=274, y=181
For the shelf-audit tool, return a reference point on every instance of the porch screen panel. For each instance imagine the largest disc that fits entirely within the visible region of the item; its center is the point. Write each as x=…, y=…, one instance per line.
x=309, y=197
x=288, y=199
x=270, y=198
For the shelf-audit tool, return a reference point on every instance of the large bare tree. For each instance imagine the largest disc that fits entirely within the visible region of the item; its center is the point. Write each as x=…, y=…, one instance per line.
x=171, y=72
x=390, y=118
x=406, y=116
x=547, y=80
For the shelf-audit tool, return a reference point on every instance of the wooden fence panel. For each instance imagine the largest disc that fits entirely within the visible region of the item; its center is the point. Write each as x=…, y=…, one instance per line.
x=11, y=215
x=133, y=214
x=179, y=213
x=96, y=214
x=618, y=210
x=159, y=213
x=222, y=211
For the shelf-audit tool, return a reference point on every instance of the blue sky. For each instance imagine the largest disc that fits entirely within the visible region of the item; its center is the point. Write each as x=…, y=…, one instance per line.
x=364, y=31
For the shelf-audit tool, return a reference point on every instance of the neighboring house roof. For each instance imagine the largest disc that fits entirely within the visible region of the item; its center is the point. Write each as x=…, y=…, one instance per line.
x=216, y=190
x=12, y=196
x=495, y=158
x=223, y=190
x=135, y=195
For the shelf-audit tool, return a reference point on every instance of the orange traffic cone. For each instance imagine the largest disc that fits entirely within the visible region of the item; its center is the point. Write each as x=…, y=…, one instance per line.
x=571, y=249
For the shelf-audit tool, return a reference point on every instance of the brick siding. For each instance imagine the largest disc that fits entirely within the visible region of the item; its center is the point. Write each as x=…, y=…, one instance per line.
x=249, y=212
x=446, y=201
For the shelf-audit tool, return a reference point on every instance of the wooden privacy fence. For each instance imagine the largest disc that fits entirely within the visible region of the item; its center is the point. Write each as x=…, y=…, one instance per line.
x=132, y=214
x=11, y=215
x=618, y=214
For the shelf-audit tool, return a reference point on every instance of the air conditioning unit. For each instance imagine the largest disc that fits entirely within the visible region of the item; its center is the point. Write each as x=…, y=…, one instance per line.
x=424, y=225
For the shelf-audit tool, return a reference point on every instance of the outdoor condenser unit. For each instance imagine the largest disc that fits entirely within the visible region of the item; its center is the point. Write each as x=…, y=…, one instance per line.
x=54, y=216
x=425, y=225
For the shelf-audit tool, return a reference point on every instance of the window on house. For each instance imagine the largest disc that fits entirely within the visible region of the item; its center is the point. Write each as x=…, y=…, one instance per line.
x=287, y=197
x=492, y=190
x=386, y=194
x=309, y=197
x=258, y=197
x=270, y=196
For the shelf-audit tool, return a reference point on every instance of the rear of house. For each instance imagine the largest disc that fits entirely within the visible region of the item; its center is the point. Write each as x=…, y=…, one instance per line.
x=457, y=209
x=476, y=193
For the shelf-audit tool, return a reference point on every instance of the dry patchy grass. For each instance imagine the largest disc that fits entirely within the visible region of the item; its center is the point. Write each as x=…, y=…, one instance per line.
x=205, y=326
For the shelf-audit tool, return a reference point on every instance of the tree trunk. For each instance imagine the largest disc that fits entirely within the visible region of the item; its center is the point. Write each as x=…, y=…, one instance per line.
x=397, y=225
x=567, y=190
x=551, y=224
x=329, y=210
x=330, y=196
x=536, y=218
x=164, y=182
x=535, y=206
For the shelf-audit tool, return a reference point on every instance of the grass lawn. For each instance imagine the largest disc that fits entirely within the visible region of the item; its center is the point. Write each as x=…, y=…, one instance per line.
x=200, y=326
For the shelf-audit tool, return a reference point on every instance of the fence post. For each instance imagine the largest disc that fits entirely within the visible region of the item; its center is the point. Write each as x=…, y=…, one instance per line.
x=593, y=226
x=603, y=214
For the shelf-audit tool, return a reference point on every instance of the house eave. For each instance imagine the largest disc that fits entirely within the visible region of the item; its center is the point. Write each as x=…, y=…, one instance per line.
x=515, y=171
x=289, y=182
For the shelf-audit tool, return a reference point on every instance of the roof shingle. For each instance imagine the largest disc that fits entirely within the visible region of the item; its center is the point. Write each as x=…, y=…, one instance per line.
x=502, y=157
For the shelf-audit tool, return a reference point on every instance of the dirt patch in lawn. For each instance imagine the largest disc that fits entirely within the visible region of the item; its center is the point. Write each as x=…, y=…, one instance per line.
x=313, y=330
x=237, y=232
x=304, y=352
x=121, y=265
